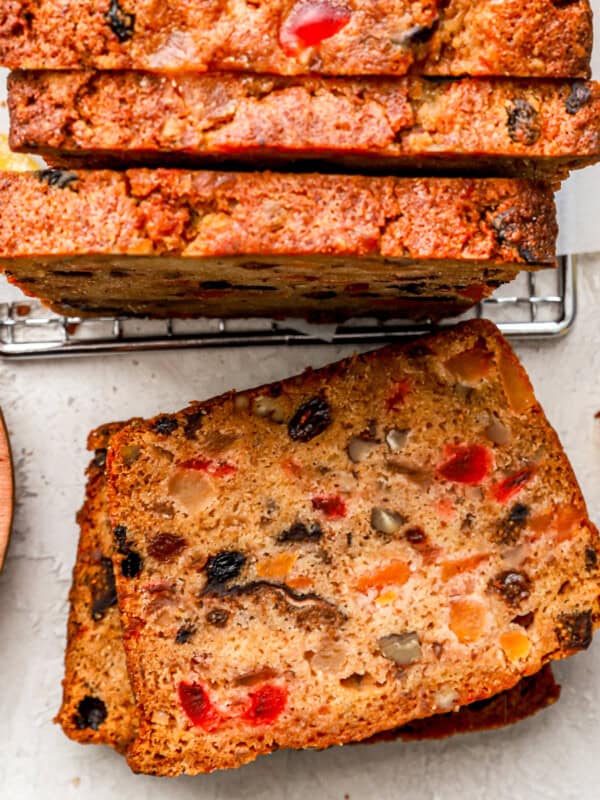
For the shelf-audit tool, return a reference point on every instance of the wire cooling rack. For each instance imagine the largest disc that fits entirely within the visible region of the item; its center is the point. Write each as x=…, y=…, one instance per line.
x=538, y=305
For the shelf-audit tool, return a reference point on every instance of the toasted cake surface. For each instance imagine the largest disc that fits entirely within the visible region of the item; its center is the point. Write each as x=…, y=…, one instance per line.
x=524, y=128
x=314, y=562
x=97, y=705
x=263, y=244
x=539, y=38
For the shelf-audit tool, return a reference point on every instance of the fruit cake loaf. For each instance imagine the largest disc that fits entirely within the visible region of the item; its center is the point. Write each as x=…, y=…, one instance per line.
x=539, y=38
x=496, y=127
x=98, y=705
x=183, y=243
x=312, y=562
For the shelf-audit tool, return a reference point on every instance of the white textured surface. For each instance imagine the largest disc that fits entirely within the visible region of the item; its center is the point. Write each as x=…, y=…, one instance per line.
x=50, y=407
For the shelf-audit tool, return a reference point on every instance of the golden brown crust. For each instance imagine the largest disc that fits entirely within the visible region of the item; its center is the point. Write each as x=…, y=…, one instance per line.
x=264, y=244
x=516, y=584
x=503, y=126
x=541, y=38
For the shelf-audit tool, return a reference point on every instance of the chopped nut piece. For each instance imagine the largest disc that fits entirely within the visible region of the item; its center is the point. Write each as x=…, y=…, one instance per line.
x=401, y=648
x=360, y=449
x=396, y=439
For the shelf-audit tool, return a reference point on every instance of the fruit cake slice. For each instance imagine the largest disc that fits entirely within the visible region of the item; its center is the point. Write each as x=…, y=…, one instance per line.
x=495, y=127
x=170, y=242
x=98, y=706
x=316, y=561
x=537, y=38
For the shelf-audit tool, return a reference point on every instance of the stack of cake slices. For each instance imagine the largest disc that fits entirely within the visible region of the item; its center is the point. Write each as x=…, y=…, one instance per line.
x=452, y=123
x=394, y=545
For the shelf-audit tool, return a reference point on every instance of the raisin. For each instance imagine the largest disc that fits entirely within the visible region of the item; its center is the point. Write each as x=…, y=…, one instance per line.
x=119, y=21
x=104, y=591
x=120, y=534
x=415, y=535
x=224, y=566
x=131, y=564
x=591, y=559
x=523, y=122
x=418, y=350
x=218, y=617
x=310, y=420
x=574, y=631
x=299, y=532
x=166, y=546
x=100, y=458
x=184, y=634
x=165, y=425
x=215, y=285
x=193, y=423
x=505, y=226
x=419, y=34
x=91, y=713
x=53, y=176
x=514, y=587
x=509, y=529
x=579, y=96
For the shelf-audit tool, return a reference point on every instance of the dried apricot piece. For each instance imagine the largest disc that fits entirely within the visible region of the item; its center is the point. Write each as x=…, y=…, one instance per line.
x=467, y=619
x=516, y=384
x=277, y=567
x=396, y=573
x=452, y=568
x=471, y=365
x=516, y=645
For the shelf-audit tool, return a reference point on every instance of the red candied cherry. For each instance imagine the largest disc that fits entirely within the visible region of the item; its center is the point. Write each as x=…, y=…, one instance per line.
x=469, y=464
x=217, y=468
x=332, y=506
x=196, y=703
x=310, y=22
x=266, y=704
x=400, y=390
x=508, y=488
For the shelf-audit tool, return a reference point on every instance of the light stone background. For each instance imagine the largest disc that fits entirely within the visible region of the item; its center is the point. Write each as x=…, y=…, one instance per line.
x=49, y=408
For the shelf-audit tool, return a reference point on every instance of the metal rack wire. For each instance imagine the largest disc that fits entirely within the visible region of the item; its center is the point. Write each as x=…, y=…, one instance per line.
x=538, y=305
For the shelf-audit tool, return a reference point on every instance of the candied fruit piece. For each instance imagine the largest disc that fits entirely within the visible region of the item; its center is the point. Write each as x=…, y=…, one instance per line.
x=196, y=703
x=310, y=22
x=516, y=645
x=396, y=573
x=457, y=567
x=217, y=468
x=470, y=464
x=509, y=487
x=277, y=567
x=516, y=384
x=332, y=506
x=399, y=393
x=467, y=619
x=471, y=365
x=266, y=704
